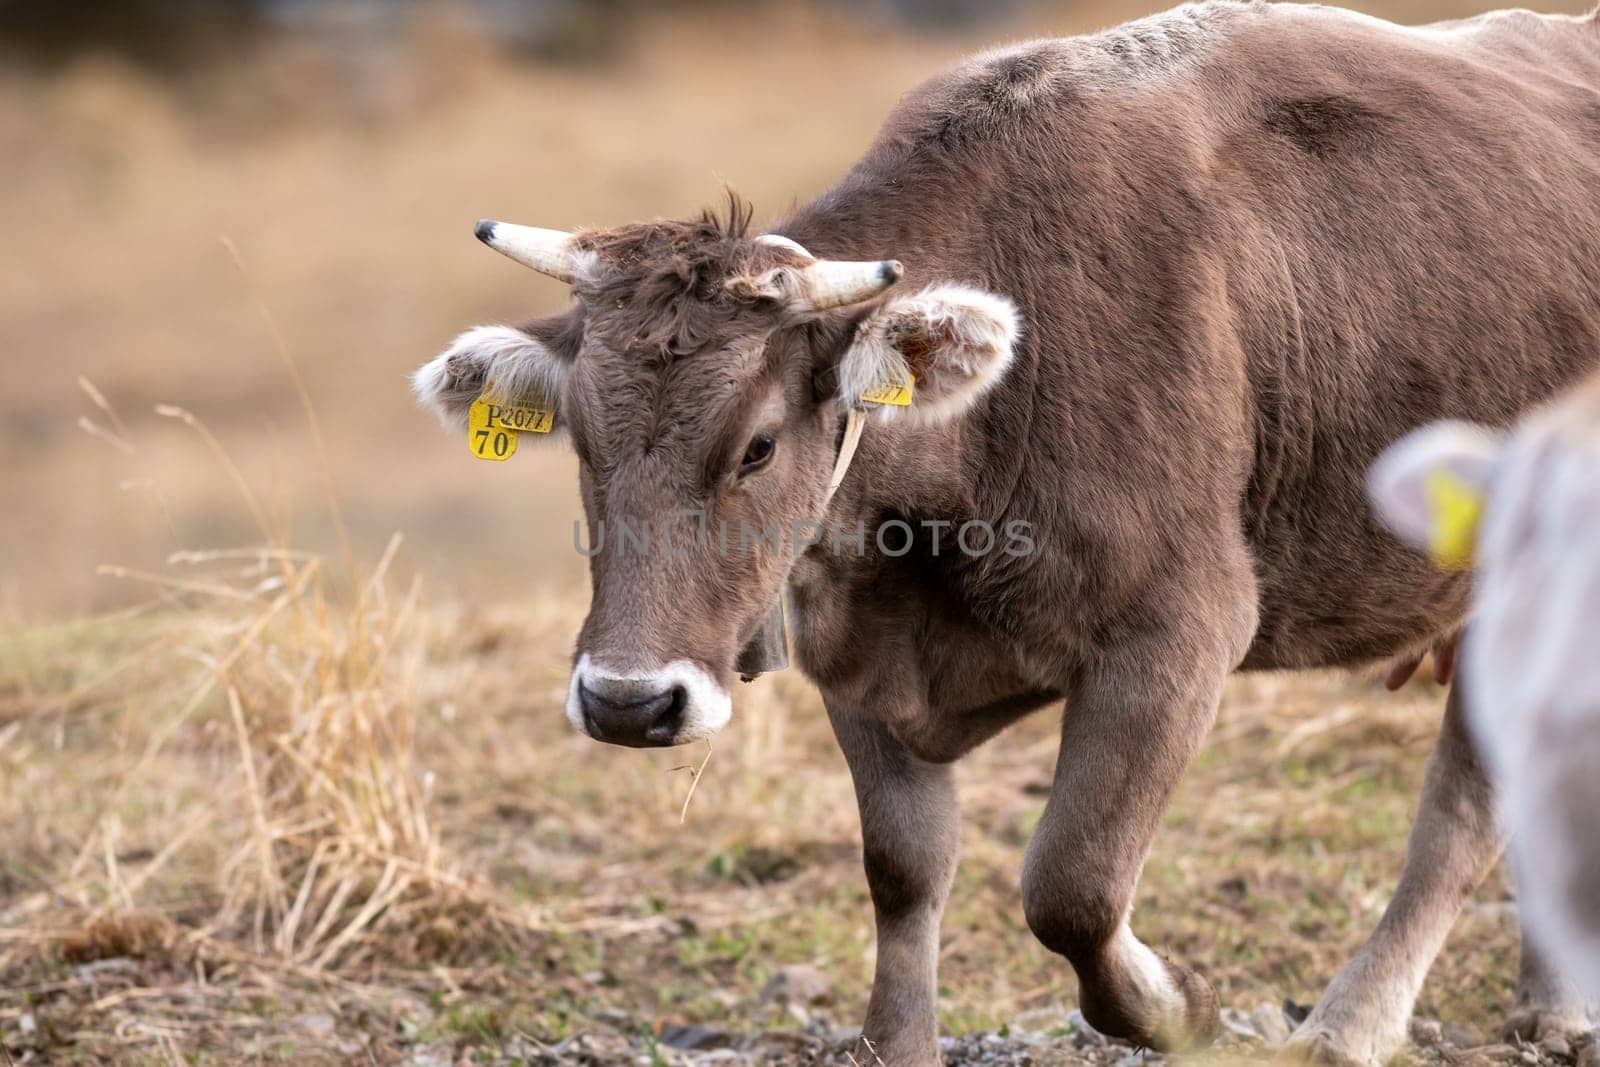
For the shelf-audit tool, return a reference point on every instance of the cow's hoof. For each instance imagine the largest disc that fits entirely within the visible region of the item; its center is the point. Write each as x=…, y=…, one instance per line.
x=1184, y=1022
x=1321, y=1047
x=1535, y=1024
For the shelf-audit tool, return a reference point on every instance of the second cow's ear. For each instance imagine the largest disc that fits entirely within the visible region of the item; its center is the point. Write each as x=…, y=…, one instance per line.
x=929, y=356
x=1431, y=486
x=528, y=365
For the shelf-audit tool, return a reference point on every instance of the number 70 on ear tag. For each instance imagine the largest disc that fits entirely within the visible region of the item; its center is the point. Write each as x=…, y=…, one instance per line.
x=486, y=437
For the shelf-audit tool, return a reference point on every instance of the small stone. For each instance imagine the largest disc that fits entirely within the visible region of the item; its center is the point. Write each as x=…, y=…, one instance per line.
x=1427, y=1032
x=1557, y=1046
x=1084, y=1035
x=427, y=1059
x=844, y=1036
x=1268, y=1021
x=314, y=1023
x=798, y=983
x=1238, y=1024
x=1529, y=1055
x=123, y=964
x=28, y=1024
x=1460, y=1036
x=1498, y=1053
x=613, y=1017
x=692, y=1036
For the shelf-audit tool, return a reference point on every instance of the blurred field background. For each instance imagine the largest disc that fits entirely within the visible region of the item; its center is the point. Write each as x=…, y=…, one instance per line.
x=276, y=784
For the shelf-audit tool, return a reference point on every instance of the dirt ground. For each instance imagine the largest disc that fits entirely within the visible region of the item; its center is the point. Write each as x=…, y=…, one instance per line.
x=278, y=786
x=540, y=898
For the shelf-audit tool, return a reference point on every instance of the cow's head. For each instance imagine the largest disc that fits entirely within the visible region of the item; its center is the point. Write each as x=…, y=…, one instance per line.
x=703, y=376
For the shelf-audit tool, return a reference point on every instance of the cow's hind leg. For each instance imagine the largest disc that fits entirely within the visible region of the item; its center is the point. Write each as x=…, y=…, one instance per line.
x=910, y=838
x=1131, y=728
x=1362, y=1018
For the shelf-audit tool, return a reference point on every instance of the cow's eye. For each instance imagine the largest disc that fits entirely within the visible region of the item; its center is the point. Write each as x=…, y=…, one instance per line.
x=758, y=454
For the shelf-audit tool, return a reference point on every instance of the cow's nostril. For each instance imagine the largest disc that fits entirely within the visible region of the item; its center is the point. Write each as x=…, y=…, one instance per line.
x=622, y=719
x=664, y=729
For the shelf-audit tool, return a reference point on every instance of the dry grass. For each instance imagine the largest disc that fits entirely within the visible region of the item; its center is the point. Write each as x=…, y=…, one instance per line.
x=284, y=801
x=280, y=810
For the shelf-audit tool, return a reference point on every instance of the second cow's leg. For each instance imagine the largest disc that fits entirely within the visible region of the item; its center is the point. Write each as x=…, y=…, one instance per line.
x=1130, y=730
x=1548, y=1004
x=1362, y=1018
x=910, y=838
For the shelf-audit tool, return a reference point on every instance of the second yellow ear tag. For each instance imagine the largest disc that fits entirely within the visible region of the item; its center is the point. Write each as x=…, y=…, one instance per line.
x=897, y=394
x=485, y=436
x=1455, y=508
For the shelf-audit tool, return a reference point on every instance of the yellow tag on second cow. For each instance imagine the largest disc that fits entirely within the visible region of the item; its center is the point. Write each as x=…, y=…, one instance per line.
x=488, y=439
x=1455, y=509
x=897, y=394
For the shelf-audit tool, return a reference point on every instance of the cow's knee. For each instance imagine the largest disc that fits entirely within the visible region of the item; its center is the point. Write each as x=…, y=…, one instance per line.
x=904, y=881
x=1072, y=913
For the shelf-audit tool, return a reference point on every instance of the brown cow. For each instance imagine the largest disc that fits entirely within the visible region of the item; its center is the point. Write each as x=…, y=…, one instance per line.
x=1168, y=290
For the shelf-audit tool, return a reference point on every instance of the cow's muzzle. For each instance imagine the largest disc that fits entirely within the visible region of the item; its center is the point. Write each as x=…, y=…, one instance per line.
x=670, y=705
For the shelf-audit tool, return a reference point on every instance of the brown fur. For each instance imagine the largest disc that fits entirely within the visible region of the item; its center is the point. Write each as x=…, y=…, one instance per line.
x=1251, y=244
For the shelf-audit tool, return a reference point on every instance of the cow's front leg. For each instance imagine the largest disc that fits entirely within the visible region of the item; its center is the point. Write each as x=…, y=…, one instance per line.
x=910, y=838
x=1361, y=1019
x=1129, y=733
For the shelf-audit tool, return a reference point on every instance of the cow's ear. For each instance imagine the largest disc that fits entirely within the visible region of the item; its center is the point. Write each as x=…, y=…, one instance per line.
x=928, y=356
x=1430, y=488
x=528, y=364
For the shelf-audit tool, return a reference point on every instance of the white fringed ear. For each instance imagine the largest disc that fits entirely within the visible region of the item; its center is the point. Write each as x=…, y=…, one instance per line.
x=521, y=368
x=950, y=342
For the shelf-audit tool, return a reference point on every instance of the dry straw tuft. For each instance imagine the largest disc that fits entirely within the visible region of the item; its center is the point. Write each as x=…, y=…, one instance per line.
x=300, y=678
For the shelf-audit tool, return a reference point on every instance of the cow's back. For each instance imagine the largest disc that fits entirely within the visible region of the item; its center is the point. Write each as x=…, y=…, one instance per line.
x=1253, y=244
x=1418, y=217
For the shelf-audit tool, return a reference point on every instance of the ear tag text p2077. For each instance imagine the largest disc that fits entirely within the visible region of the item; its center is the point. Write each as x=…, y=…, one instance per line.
x=493, y=425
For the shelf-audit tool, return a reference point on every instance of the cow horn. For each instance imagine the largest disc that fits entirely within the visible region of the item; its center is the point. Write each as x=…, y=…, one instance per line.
x=831, y=283
x=778, y=240
x=546, y=251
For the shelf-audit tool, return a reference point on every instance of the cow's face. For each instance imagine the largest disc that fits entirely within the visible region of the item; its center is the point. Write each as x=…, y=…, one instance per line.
x=702, y=378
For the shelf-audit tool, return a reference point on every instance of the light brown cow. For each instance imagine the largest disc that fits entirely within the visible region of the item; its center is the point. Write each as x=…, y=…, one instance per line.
x=1534, y=645
x=1167, y=291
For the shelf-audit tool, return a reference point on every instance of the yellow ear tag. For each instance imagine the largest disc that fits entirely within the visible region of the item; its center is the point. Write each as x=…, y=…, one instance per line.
x=487, y=439
x=493, y=424
x=896, y=393
x=1456, y=508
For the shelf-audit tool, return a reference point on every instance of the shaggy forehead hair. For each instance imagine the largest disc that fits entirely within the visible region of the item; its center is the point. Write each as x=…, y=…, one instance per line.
x=660, y=289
